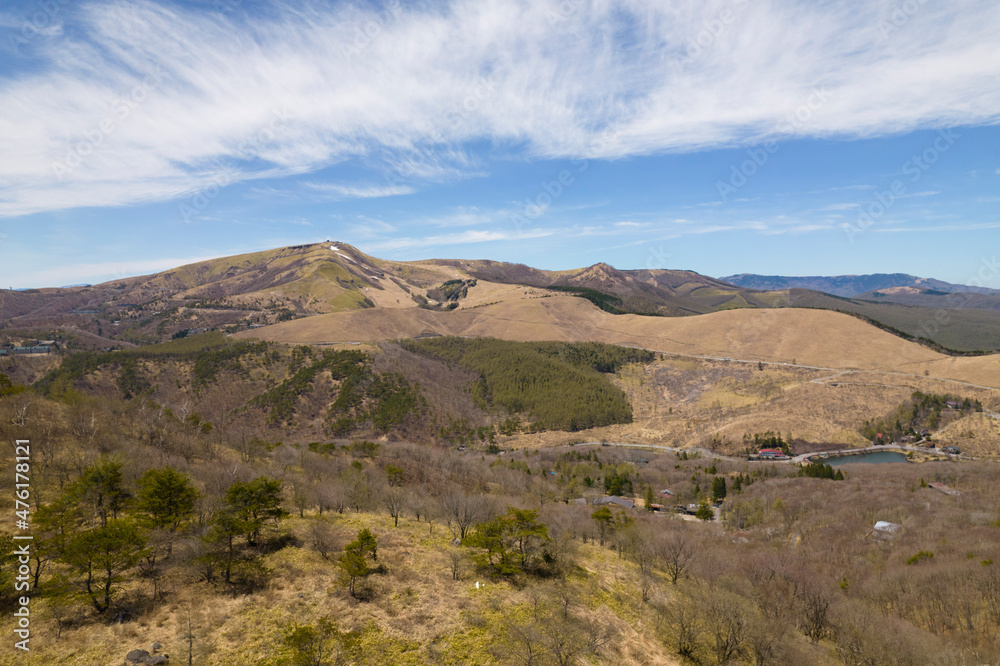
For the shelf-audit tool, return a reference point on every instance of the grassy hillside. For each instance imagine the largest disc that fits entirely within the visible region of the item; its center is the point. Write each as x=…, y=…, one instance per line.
x=330, y=392
x=655, y=292
x=226, y=293
x=931, y=298
x=263, y=288
x=555, y=385
x=784, y=335
x=397, y=553
x=409, y=392
x=960, y=330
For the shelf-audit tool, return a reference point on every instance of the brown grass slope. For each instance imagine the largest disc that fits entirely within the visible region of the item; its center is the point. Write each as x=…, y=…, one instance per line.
x=929, y=298
x=334, y=277
x=657, y=291
x=325, y=272
x=311, y=277
x=806, y=337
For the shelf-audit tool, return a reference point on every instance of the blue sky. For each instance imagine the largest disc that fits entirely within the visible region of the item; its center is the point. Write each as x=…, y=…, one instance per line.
x=721, y=136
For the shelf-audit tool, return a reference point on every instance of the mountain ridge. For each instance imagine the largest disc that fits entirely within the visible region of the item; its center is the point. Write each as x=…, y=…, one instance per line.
x=258, y=289
x=849, y=285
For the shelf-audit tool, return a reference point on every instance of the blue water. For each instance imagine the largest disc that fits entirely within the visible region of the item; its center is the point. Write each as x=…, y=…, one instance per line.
x=873, y=457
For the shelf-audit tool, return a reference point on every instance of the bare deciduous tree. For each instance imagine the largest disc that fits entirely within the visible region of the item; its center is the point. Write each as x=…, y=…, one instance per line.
x=564, y=640
x=676, y=550
x=725, y=622
x=394, y=499
x=456, y=557
x=523, y=644
x=329, y=496
x=302, y=494
x=463, y=511
x=814, y=608
x=325, y=539
x=680, y=619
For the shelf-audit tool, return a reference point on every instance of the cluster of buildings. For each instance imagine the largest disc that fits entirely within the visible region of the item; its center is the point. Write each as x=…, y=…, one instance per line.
x=769, y=454
x=43, y=347
x=666, y=495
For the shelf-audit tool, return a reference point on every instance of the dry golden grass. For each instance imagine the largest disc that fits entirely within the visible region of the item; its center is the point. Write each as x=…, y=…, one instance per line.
x=870, y=371
x=807, y=337
x=419, y=615
x=977, y=435
x=487, y=293
x=686, y=402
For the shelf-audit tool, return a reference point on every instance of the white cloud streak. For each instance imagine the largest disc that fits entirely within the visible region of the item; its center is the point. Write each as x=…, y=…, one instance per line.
x=156, y=100
x=361, y=191
x=463, y=238
x=95, y=273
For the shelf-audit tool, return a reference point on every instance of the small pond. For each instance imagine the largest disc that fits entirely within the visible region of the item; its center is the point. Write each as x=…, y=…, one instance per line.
x=871, y=457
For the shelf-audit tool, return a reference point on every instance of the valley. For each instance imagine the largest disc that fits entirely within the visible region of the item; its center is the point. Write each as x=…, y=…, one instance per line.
x=411, y=462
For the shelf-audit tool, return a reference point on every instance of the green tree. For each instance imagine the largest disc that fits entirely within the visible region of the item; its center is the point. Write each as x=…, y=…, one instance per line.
x=609, y=521
x=704, y=511
x=247, y=506
x=512, y=541
x=101, y=487
x=820, y=471
x=617, y=483
x=167, y=497
x=103, y=555
x=254, y=502
x=650, y=498
x=317, y=645
x=395, y=475
x=222, y=533
x=55, y=524
x=358, y=559
x=605, y=522
x=7, y=387
x=131, y=381
x=718, y=488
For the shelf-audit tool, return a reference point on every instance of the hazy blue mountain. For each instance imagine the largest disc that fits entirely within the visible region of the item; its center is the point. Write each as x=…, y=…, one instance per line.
x=849, y=285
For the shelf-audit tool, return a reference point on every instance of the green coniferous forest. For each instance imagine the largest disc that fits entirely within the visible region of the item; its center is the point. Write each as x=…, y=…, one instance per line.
x=559, y=386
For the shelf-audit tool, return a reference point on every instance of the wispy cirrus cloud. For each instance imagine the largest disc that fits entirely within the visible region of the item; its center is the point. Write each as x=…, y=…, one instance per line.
x=463, y=238
x=94, y=273
x=156, y=99
x=361, y=191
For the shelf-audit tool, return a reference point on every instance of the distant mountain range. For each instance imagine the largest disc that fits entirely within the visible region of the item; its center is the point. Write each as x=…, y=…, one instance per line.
x=264, y=288
x=850, y=286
